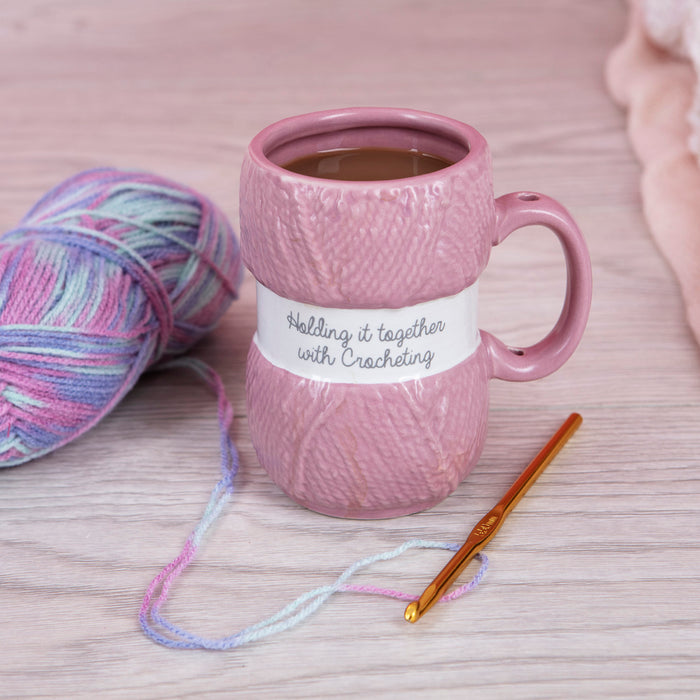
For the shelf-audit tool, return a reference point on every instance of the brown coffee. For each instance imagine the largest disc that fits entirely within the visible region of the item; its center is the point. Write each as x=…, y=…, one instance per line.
x=367, y=164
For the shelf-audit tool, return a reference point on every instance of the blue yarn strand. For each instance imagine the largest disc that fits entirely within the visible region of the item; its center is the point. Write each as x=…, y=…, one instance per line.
x=155, y=625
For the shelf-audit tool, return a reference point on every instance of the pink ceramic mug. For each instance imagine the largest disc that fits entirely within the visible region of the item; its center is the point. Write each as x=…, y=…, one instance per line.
x=367, y=380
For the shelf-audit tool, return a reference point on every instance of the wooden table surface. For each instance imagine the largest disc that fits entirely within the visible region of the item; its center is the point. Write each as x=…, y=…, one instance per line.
x=593, y=584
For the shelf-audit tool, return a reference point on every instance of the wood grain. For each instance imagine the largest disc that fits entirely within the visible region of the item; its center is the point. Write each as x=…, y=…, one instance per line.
x=593, y=580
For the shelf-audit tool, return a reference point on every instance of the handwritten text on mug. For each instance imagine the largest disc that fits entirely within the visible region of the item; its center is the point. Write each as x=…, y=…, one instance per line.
x=367, y=345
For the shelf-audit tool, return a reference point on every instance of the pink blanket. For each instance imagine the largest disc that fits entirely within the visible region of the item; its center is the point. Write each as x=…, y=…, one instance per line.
x=657, y=88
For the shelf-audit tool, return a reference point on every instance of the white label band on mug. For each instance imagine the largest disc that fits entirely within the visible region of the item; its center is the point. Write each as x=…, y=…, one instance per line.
x=367, y=346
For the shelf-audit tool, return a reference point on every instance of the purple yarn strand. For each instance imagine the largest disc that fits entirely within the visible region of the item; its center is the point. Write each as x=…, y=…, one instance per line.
x=159, y=629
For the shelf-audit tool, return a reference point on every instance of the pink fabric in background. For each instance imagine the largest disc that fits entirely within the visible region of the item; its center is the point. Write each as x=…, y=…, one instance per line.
x=657, y=90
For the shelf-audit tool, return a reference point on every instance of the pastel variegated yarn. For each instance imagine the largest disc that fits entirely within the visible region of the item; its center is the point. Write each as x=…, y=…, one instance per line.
x=108, y=273
x=158, y=627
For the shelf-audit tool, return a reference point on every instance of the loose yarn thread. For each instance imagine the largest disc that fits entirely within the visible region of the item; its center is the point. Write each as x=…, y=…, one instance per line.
x=158, y=628
x=107, y=274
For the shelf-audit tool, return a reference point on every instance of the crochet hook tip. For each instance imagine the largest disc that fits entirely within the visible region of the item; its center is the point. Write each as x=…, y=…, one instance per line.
x=411, y=613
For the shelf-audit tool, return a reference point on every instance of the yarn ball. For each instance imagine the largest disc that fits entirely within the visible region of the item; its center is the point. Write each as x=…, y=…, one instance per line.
x=108, y=274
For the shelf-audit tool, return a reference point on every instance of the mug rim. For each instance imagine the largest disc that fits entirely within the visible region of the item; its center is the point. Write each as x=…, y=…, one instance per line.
x=328, y=121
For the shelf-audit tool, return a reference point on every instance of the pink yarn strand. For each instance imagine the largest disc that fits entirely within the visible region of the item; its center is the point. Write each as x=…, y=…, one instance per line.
x=161, y=630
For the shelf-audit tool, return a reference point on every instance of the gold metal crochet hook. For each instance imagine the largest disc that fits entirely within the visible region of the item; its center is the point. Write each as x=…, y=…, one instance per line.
x=489, y=525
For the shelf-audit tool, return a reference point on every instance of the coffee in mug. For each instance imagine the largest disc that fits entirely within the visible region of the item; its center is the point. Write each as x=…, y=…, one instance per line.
x=367, y=164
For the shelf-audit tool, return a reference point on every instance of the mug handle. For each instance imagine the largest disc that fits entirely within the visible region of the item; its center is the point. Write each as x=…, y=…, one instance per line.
x=513, y=211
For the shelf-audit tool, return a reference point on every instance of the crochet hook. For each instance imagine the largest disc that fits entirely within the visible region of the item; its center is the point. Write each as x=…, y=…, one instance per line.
x=489, y=525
